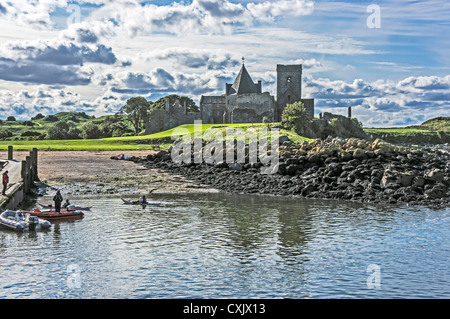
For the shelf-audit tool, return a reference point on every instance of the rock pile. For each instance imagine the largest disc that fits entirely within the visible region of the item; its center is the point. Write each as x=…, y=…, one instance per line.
x=334, y=168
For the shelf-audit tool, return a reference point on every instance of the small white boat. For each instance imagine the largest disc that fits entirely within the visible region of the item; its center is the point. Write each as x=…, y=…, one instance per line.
x=19, y=221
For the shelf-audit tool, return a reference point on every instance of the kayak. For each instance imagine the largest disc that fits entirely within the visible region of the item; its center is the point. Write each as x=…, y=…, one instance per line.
x=71, y=207
x=136, y=202
x=19, y=220
x=51, y=214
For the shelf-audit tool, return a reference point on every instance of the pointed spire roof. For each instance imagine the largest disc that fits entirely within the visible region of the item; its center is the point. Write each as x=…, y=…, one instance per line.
x=243, y=83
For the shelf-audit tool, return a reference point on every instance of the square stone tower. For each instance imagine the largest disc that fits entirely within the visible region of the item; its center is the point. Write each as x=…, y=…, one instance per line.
x=289, y=86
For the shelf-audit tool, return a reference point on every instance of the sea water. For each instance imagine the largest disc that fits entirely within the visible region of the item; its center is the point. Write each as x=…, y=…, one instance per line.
x=231, y=246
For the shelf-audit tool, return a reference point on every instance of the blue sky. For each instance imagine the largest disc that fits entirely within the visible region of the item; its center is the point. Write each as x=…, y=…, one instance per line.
x=92, y=55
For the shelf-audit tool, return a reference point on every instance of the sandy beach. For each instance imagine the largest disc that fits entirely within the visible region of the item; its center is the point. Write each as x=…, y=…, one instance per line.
x=94, y=172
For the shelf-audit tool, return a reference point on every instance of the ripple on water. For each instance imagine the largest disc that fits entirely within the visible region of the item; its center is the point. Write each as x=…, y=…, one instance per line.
x=231, y=246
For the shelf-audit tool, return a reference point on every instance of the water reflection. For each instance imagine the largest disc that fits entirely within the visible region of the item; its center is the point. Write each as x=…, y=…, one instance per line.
x=215, y=245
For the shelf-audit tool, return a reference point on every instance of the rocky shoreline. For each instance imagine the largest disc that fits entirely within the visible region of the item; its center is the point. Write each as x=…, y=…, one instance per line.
x=335, y=168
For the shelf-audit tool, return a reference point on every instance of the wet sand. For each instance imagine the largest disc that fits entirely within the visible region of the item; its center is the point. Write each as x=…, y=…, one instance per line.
x=94, y=172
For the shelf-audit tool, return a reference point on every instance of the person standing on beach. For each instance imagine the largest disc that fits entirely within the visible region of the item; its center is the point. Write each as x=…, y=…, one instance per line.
x=5, y=180
x=58, y=200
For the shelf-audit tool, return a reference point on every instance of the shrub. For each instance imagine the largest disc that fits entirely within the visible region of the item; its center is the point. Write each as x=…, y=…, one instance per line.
x=63, y=130
x=5, y=134
x=51, y=118
x=30, y=133
x=293, y=115
x=91, y=130
x=37, y=117
x=28, y=123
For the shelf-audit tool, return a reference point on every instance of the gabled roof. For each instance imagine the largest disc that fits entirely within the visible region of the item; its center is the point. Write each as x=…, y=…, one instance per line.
x=243, y=83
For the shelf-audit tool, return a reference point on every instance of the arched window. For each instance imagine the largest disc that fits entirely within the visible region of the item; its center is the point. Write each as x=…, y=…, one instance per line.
x=289, y=79
x=289, y=99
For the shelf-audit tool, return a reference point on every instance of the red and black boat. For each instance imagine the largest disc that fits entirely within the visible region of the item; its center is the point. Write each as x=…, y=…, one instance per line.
x=52, y=215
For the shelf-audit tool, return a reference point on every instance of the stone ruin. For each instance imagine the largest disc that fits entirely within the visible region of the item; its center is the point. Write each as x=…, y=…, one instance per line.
x=243, y=102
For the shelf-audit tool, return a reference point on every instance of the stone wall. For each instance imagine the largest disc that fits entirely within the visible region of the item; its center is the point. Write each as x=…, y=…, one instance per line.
x=168, y=118
x=309, y=106
x=250, y=108
x=212, y=109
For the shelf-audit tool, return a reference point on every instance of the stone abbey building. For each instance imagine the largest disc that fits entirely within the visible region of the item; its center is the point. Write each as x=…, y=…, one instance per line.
x=243, y=102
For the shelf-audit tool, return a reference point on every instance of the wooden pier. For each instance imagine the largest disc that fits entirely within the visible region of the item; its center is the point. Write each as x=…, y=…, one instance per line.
x=22, y=175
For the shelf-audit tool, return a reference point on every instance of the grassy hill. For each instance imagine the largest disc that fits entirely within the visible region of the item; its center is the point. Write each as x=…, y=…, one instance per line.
x=161, y=140
x=433, y=131
x=26, y=135
x=37, y=128
x=440, y=123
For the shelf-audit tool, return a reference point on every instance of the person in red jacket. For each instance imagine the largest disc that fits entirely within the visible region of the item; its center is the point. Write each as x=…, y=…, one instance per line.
x=5, y=180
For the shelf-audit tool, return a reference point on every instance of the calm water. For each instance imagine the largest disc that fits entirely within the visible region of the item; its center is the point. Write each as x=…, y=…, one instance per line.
x=220, y=246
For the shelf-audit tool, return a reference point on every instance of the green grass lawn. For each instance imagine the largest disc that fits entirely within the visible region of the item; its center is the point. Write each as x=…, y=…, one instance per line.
x=396, y=130
x=434, y=131
x=161, y=140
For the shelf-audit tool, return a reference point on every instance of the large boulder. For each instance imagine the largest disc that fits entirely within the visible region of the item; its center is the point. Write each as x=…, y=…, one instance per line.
x=436, y=175
x=438, y=191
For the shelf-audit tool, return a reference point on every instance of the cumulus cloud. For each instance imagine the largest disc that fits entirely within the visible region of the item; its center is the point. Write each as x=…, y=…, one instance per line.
x=383, y=102
x=159, y=81
x=268, y=10
x=30, y=12
x=25, y=104
x=199, y=16
x=58, y=61
x=418, y=84
x=195, y=58
x=27, y=72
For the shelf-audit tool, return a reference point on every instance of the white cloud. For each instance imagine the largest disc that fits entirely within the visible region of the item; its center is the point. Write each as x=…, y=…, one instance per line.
x=29, y=12
x=159, y=81
x=383, y=102
x=194, y=58
x=268, y=10
x=199, y=16
x=60, y=60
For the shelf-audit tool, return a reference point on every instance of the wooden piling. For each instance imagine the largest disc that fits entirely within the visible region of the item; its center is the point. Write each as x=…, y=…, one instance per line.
x=10, y=153
x=27, y=179
x=35, y=165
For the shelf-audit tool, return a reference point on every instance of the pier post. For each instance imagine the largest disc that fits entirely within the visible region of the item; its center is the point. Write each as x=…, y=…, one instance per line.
x=36, y=177
x=10, y=153
x=27, y=178
x=34, y=164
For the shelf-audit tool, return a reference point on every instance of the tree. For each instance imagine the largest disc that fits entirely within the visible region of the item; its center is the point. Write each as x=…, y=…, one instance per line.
x=51, y=118
x=293, y=115
x=137, y=110
x=5, y=134
x=63, y=130
x=10, y=118
x=190, y=104
x=113, y=126
x=90, y=130
x=28, y=123
x=37, y=117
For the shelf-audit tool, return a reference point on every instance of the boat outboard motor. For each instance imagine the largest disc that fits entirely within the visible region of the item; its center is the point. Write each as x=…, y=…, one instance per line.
x=19, y=216
x=33, y=221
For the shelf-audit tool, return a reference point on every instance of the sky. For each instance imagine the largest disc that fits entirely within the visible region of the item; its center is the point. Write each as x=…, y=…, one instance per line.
x=388, y=60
